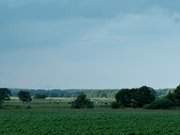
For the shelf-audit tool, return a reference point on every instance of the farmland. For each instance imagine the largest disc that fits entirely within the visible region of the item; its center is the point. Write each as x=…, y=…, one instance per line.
x=55, y=117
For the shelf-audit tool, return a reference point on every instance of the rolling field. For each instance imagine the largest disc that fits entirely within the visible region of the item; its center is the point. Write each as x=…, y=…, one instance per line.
x=53, y=118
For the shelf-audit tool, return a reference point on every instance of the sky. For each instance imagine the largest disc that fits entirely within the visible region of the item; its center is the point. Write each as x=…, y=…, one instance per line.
x=99, y=44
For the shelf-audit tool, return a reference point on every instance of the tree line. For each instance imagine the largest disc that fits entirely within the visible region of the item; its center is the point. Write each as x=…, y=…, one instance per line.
x=143, y=97
x=91, y=93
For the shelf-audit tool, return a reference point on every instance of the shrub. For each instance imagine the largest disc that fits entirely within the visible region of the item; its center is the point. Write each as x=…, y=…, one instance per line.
x=4, y=95
x=115, y=105
x=162, y=103
x=25, y=96
x=28, y=107
x=171, y=96
x=89, y=104
x=82, y=102
x=174, y=95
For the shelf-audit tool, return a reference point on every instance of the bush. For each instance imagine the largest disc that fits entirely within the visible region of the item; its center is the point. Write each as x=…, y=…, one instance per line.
x=162, y=103
x=82, y=102
x=175, y=96
x=89, y=104
x=171, y=96
x=4, y=95
x=28, y=107
x=24, y=96
x=115, y=105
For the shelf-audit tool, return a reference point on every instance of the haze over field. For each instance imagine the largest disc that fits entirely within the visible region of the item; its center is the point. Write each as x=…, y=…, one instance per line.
x=89, y=43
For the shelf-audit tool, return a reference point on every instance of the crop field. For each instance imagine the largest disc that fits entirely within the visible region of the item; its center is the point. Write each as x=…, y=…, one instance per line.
x=57, y=119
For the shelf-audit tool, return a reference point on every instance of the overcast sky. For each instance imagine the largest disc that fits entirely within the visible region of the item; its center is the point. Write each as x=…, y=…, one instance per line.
x=89, y=43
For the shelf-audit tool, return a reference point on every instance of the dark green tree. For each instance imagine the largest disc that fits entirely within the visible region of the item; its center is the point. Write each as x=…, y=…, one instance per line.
x=174, y=95
x=177, y=95
x=82, y=102
x=4, y=95
x=136, y=97
x=144, y=95
x=171, y=96
x=25, y=97
x=40, y=96
x=123, y=97
x=162, y=103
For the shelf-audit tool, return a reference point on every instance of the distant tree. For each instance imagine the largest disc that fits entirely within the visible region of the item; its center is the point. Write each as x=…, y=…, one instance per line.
x=177, y=95
x=162, y=103
x=123, y=97
x=25, y=97
x=174, y=95
x=144, y=95
x=54, y=94
x=40, y=96
x=171, y=96
x=136, y=97
x=104, y=95
x=4, y=95
x=82, y=102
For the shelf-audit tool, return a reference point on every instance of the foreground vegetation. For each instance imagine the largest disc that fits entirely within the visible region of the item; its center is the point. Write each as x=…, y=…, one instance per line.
x=54, y=116
x=88, y=122
x=81, y=115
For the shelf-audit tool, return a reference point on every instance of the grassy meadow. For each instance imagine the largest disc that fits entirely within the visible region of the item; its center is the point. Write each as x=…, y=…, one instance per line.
x=54, y=116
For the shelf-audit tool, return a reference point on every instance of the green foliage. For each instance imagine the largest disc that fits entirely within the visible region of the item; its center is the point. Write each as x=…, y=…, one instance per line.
x=89, y=104
x=40, y=96
x=93, y=93
x=25, y=96
x=115, y=105
x=144, y=95
x=136, y=97
x=162, y=103
x=177, y=95
x=123, y=97
x=82, y=102
x=89, y=122
x=4, y=95
x=174, y=96
x=171, y=96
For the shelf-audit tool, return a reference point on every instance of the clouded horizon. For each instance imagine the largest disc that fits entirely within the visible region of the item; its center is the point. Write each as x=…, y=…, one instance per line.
x=89, y=43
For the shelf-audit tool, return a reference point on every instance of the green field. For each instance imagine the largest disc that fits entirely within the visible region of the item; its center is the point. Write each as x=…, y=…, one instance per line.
x=55, y=117
x=89, y=122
